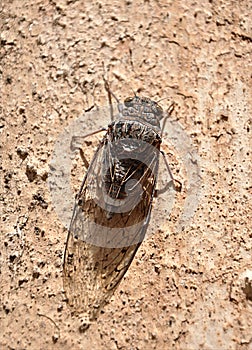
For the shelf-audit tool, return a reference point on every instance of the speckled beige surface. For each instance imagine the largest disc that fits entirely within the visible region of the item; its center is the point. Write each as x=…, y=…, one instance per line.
x=190, y=289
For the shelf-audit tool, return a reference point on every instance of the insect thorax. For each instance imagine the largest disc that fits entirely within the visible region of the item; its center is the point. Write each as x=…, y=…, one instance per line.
x=135, y=130
x=133, y=155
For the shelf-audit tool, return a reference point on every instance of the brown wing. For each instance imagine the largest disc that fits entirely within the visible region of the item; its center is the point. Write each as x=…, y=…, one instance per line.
x=102, y=241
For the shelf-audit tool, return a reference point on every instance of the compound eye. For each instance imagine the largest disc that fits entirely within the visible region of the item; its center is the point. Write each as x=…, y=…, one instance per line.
x=129, y=101
x=159, y=110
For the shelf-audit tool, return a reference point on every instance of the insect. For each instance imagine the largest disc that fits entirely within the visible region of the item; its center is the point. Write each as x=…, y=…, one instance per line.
x=113, y=207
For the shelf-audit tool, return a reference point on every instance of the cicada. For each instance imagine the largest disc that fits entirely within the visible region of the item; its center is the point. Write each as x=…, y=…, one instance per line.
x=113, y=207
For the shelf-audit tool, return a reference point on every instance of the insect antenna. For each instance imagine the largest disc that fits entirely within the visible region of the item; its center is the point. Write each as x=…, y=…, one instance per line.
x=133, y=91
x=162, y=99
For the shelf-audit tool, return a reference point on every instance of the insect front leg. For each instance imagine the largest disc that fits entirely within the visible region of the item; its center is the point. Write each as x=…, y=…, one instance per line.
x=110, y=95
x=77, y=142
x=177, y=185
x=169, y=112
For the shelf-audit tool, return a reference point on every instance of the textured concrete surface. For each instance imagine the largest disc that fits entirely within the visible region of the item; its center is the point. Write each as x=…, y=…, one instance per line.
x=186, y=289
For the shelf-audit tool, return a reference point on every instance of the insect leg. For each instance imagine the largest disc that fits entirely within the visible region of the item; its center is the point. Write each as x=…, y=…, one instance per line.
x=177, y=185
x=77, y=141
x=169, y=112
x=110, y=95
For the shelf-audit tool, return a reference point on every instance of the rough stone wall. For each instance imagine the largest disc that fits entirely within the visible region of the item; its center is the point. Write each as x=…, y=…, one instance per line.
x=187, y=289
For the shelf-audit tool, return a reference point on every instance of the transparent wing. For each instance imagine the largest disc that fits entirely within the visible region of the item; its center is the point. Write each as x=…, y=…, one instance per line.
x=108, y=225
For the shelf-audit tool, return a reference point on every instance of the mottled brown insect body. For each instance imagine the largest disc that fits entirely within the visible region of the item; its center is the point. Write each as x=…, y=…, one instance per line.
x=113, y=207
